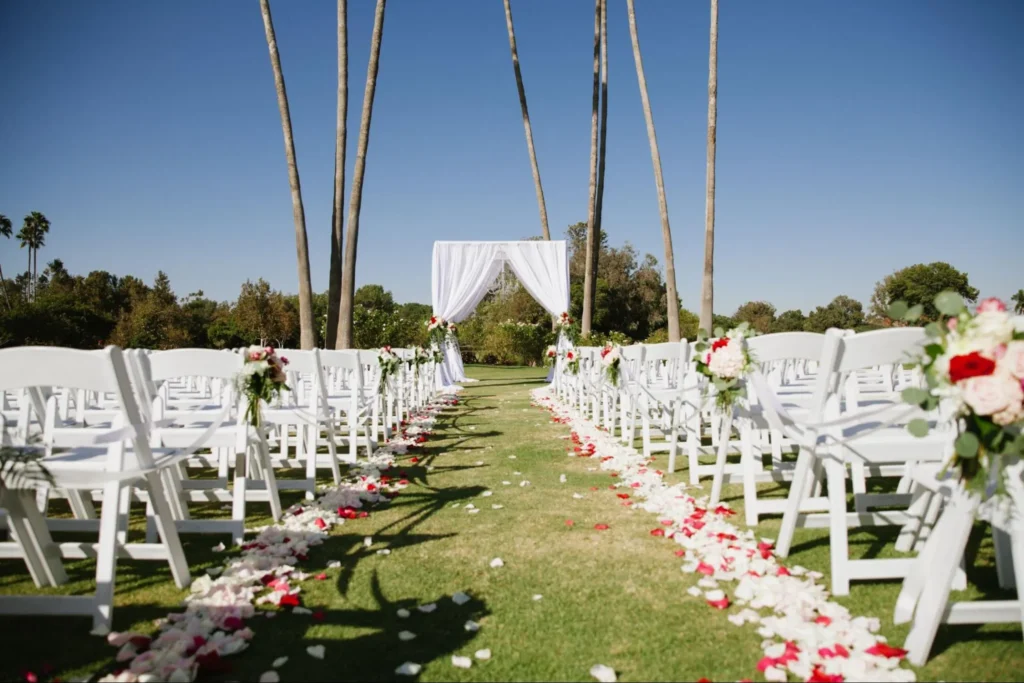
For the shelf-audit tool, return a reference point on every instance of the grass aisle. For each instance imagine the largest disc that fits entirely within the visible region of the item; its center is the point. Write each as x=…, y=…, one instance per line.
x=614, y=597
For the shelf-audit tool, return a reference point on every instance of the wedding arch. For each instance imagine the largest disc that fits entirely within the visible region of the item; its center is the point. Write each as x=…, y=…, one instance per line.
x=464, y=271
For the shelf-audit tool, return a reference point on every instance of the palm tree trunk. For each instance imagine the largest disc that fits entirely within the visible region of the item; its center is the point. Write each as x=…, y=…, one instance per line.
x=707, y=294
x=593, y=239
x=337, y=215
x=28, y=276
x=526, y=123
x=307, y=333
x=35, y=272
x=3, y=286
x=659, y=182
x=348, y=279
x=599, y=200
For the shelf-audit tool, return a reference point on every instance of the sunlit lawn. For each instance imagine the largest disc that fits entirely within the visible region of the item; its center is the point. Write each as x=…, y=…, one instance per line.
x=615, y=597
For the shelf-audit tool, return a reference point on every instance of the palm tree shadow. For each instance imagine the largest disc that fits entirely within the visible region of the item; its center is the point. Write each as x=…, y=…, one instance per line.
x=376, y=655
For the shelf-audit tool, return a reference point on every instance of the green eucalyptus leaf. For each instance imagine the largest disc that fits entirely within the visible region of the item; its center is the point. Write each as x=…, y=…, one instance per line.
x=949, y=303
x=967, y=445
x=914, y=313
x=933, y=330
x=719, y=332
x=898, y=309
x=918, y=427
x=914, y=396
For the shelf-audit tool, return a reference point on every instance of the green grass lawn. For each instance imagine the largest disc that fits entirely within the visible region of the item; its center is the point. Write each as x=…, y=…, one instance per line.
x=614, y=597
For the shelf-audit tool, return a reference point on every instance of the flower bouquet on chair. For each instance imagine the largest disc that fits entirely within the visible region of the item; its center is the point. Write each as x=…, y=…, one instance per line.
x=564, y=324
x=262, y=379
x=550, y=356
x=611, y=359
x=975, y=362
x=724, y=361
x=437, y=331
x=572, y=362
x=389, y=364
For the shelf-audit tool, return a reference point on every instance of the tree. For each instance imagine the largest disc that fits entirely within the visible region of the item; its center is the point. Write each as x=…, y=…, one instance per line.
x=348, y=278
x=689, y=323
x=6, y=229
x=843, y=312
x=254, y=312
x=659, y=181
x=707, y=296
x=33, y=235
x=340, y=144
x=590, y=274
x=919, y=285
x=1018, y=302
x=526, y=123
x=298, y=213
x=790, y=321
x=603, y=138
x=760, y=315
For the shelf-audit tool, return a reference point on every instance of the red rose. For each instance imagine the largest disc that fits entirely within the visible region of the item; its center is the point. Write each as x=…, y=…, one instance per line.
x=970, y=365
x=719, y=343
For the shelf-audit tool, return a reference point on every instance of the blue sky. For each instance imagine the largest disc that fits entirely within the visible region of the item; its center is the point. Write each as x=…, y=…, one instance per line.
x=853, y=138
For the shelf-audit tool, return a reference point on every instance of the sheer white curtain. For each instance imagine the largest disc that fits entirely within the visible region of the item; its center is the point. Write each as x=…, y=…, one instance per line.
x=464, y=271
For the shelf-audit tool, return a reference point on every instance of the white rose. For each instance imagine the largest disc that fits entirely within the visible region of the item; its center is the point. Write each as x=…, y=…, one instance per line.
x=727, y=362
x=992, y=394
x=995, y=327
x=1012, y=361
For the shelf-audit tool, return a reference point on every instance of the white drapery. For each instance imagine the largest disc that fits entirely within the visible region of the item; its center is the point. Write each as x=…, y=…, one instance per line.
x=464, y=271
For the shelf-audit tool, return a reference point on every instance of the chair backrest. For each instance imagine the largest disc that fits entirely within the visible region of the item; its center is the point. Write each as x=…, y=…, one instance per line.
x=345, y=365
x=165, y=365
x=786, y=345
x=37, y=367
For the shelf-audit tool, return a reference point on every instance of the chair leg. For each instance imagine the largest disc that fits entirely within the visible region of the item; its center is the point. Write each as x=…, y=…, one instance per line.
x=935, y=592
x=106, y=558
x=804, y=463
x=168, y=531
x=750, y=456
x=41, y=555
x=839, y=547
x=913, y=583
x=238, y=495
x=721, y=457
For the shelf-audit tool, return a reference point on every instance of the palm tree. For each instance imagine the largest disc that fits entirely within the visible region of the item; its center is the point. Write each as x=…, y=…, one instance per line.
x=707, y=295
x=348, y=278
x=307, y=334
x=6, y=230
x=593, y=239
x=1018, y=302
x=526, y=123
x=33, y=235
x=659, y=182
x=599, y=199
x=337, y=215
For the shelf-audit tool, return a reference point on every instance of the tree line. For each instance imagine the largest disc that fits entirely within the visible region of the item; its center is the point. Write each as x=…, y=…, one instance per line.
x=56, y=307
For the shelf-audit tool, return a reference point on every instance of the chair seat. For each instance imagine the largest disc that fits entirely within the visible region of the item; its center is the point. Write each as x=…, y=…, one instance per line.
x=88, y=467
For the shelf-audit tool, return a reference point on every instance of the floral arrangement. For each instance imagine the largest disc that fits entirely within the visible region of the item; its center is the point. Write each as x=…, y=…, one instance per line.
x=437, y=330
x=550, y=356
x=975, y=363
x=421, y=356
x=572, y=362
x=262, y=378
x=564, y=324
x=725, y=362
x=389, y=364
x=452, y=336
x=611, y=358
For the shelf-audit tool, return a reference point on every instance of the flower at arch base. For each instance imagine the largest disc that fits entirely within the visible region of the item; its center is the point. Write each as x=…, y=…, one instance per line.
x=565, y=325
x=437, y=329
x=973, y=363
x=725, y=360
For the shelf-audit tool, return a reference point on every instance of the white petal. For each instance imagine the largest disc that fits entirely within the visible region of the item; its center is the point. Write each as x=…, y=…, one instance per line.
x=472, y=626
x=403, y=613
x=368, y=541
x=562, y=478
x=460, y=598
x=428, y=608
x=577, y=496
x=482, y=655
x=479, y=463
x=219, y=548
x=316, y=651
x=496, y=506
x=461, y=662
x=487, y=493
x=473, y=511
x=497, y=562
x=334, y=564
x=406, y=635
x=301, y=610
x=603, y=673
x=269, y=677
x=408, y=669
x=511, y=457
x=383, y=551
x=279, y=662
x=537, y=597
x=506, y=483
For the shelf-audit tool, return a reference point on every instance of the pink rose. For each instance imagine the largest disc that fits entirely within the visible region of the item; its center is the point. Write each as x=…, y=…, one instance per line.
x=991, y=394
x=951, y=324
x=255, y=355
x=991, y=304
x=1012, y=361
x=284, y=361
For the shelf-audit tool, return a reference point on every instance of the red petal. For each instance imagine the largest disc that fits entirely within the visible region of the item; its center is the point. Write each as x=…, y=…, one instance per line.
x=623, y=496
x=822, y=620
x=320, y=523
x=569, y=522
x=719, y=604
x=680, y=552
x=601, y=527
x=318, y=615
x=705, y=568
x=321, y=577
x=289, y=600
x=886, y=650
x=657, y=532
